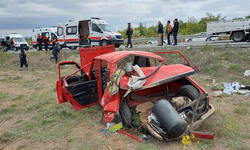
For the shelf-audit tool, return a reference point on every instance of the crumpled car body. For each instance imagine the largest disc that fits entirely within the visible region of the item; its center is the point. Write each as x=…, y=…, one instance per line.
x=163, y=82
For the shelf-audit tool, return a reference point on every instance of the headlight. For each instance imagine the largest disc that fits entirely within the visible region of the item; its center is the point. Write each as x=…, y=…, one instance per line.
x=112, y=36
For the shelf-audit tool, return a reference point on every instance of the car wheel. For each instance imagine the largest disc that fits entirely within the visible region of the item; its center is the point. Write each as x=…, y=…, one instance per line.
x=149, y=42
x=125, y=114
x=117, y=46
x=104, y=42
x=238, y=36
x=189, y=91
x=73, y=47
x=208, y=39
x=189, y=40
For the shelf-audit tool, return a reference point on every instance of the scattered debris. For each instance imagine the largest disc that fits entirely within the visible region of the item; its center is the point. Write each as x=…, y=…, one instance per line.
x=198, y=136
x=106, y=133
x=130, y=135
x=145, y=138
x=247, y=73
x=108, y=147
x=116, y=127
x=217, y=93
x=218, y=86
x=2, y=122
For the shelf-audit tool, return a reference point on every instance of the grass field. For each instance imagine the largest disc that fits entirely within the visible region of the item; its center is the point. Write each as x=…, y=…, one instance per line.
x=35, y=120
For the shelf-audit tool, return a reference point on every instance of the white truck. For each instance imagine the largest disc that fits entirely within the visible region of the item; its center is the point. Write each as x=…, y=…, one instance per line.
x=93, y=31
x=238, y=30
x=46, y=31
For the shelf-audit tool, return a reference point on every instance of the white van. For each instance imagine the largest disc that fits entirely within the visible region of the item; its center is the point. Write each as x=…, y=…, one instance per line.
x=88, y=32
x=47, y=31
x=19, y=41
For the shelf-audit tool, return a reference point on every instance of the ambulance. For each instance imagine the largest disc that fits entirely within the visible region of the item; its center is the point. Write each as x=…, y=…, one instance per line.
x=46, y=31
x=19, y=41
x=82, y=33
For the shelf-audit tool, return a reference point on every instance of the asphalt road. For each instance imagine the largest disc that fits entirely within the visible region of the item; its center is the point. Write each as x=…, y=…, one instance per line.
x=226, y=43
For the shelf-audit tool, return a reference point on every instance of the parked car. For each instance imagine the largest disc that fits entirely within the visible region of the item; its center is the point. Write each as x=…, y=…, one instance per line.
x=124, y=80
x=156, y=42
x=201, y=37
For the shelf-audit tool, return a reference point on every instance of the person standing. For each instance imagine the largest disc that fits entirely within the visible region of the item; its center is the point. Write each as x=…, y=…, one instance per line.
x=175, y=30
x=129, y=33
x=160, y=34
x=12, y=44
x=55, y=52
x=249, y=33
x=40, y=42
x=46, y=42
x=23, y=59
x=3, y=43
x=53, y=40
x=168, y=32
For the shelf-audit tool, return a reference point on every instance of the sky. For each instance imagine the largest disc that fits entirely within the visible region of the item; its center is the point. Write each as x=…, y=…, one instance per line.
x=24, y=15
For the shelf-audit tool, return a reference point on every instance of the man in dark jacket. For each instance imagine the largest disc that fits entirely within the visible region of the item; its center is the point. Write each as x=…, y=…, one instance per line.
x=175, y=30
x=55, y=51
x=249, y=33
x=160, y=34
x=3, y=44
x=46, y=42
x=40, y=42
x=23, y=59
x=129, y=33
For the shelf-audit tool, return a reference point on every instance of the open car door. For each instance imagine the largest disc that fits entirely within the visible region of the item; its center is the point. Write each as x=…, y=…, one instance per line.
x=77, y=88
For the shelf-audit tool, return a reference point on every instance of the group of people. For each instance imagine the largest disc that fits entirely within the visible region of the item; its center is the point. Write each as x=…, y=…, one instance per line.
x=169, y=31
x=45, y=40
x=8, y=44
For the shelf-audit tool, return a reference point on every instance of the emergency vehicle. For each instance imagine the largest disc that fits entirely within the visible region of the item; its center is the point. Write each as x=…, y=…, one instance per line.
x=47, y=31
x=82, y=33
x=19, y=41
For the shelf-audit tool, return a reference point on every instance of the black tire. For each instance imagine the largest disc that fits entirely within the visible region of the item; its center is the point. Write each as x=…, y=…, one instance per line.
x=125, y=114
x=208, y=39
x=238, y=36
x=149, y=42
x=117, y=46
x=50, y=48
x=104, y=42
x=73, y=47
x=189, y=40
x=190, y=91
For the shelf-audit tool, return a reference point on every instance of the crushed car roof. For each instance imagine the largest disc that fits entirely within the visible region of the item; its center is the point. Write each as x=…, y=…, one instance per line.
x=116, y=56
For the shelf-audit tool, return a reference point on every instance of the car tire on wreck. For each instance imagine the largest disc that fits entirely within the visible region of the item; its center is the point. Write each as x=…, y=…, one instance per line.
x=189, y=91
x=125, y=114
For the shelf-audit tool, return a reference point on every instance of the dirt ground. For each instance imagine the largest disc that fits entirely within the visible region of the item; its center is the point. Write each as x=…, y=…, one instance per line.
x=29, y=95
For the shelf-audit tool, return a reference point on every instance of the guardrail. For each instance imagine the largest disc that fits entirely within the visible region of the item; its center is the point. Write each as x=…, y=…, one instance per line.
x=182, y=37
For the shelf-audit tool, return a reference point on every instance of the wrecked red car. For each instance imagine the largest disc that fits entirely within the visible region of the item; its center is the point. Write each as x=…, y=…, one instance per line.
x=169, y=103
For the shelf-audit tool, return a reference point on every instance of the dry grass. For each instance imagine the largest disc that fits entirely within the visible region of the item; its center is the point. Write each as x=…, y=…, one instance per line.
x=34, y=120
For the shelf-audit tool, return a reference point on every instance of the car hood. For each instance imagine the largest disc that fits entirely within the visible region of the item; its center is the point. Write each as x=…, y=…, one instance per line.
x=164, y=74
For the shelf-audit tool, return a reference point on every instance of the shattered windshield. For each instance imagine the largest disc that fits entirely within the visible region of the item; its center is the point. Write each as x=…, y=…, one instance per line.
x=19, y=39
x=107, y=28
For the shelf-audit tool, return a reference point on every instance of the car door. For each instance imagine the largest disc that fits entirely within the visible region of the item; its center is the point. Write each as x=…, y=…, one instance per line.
x=95, y=34
x=71, y=36
x=60, y=38
x=80, y=90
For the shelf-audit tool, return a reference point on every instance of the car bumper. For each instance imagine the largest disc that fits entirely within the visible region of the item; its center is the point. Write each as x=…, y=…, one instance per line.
x=115, y=41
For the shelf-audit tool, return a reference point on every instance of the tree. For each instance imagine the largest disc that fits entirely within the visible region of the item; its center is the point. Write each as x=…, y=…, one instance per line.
x=209, y=17
x=238, y=18
x=142, y=29
x=247, y=17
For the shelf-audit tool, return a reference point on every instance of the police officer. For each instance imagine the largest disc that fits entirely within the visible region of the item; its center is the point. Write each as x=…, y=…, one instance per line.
x=55, y=51
x=46, y=42
x=23, y=59
x=129, y=34
x=40, y=42
x=3, y=43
